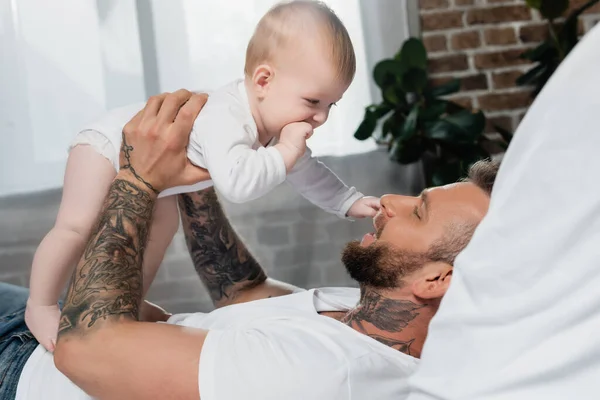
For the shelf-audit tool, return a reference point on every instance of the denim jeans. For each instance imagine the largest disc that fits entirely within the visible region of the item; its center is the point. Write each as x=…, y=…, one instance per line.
x=16, y=341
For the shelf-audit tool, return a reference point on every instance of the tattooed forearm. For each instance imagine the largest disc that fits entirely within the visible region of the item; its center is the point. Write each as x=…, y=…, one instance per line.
x=127, y=165
x=221, y=260
x=108, y=279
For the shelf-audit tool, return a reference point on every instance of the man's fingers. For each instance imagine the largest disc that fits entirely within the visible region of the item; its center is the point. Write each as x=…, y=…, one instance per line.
x=171, y=105
x=154, y=104
x=187, y=115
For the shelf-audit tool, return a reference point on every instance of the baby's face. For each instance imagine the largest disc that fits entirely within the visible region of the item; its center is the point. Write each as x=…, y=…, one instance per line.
x=302, y=89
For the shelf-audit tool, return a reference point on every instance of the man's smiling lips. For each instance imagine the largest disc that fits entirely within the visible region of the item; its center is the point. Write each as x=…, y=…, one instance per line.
x=378, y=224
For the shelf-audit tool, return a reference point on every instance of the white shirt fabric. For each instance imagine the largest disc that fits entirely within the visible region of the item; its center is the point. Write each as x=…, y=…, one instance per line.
x=522, y=315
x=224, y=140
x=271, y=349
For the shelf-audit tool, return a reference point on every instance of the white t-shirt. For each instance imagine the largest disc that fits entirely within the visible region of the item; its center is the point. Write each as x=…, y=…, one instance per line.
x=224, y=140
x=522, y=315
x=271, y=349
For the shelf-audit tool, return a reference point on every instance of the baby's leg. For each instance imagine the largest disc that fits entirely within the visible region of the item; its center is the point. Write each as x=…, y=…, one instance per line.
x=164, y=226
x=87, y=179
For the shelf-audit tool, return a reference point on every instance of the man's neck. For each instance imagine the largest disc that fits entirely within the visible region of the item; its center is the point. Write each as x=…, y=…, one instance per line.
x=394, y=320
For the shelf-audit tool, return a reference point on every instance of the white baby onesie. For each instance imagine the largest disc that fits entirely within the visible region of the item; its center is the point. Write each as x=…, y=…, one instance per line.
x=224, y=140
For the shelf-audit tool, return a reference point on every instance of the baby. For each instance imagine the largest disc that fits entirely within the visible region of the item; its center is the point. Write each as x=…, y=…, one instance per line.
x=251, y=136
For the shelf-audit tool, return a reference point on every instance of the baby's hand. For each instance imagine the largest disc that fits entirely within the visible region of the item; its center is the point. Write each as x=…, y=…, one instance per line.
x=292, y=142
x=42, y=321
x=364, y=207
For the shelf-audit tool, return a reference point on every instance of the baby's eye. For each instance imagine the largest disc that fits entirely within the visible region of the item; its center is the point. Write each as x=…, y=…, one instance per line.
x=332, y=104
x=314, y=102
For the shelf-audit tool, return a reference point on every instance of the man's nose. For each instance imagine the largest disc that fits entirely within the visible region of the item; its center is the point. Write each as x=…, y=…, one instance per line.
x=391, y=204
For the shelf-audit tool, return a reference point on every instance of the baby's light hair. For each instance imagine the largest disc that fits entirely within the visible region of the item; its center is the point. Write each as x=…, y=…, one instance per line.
x=286, y=21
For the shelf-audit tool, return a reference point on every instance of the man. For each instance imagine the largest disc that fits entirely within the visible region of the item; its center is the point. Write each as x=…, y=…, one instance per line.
x=289, y=343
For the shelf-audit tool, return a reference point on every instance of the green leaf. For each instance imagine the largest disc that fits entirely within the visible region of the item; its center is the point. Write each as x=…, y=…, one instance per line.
x=576, y=13
x=406, y=152
x=381, y=110
x=552, y=9
x=461, y=127
x=433, y=110
x=439, y=130
x=535, y=4
x=388, y=127
x=531, y=76
x=410, y=125
x=543, y=51
x=453, y=107
x=398, y=125
x=390, y=96
x=471, y=123
x=386, y=73
x=412, y=55
x=444, y=174
x=368, y=124
x=505, y=133
x=569, y=34
x=447, y=88
x=414, y=80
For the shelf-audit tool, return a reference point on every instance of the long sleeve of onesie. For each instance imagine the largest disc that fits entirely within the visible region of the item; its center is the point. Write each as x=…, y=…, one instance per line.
x=321, y=186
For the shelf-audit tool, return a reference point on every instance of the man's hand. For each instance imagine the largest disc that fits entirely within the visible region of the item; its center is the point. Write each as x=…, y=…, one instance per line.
x=155, y=141
x=365, y=207
x=292, y=142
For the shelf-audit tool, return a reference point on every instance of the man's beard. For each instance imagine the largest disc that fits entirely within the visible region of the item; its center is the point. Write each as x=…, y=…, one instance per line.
x=380, y=265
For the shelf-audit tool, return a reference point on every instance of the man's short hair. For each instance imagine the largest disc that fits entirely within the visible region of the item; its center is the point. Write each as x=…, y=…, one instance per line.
x=458, y=235
x=483, y=174
x=287, y=21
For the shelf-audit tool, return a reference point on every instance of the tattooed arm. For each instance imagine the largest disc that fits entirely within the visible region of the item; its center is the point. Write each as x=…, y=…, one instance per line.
x=224, y=264
x=102, y=346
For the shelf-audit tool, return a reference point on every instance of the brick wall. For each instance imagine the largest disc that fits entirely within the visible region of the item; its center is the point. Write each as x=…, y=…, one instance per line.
x=480, y=42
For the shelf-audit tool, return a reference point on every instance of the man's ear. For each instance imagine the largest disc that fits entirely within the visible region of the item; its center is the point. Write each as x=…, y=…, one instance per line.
x=262, y=77
x=433, y=281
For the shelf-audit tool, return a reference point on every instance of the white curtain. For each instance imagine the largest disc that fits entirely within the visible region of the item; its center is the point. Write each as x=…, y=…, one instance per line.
x=63, y=63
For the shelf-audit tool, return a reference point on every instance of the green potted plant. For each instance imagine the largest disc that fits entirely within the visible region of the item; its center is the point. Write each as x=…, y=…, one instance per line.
x=563, y=37
x=419, y=124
